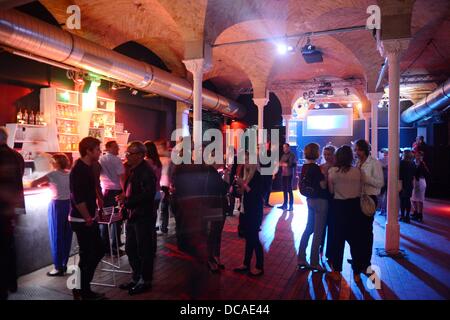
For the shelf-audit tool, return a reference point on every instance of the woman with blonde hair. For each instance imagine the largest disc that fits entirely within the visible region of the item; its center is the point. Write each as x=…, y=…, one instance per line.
x=251, y=188
x=60, y=232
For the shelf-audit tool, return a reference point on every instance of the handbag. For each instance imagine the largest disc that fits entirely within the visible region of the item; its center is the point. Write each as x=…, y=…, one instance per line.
x=367, y=204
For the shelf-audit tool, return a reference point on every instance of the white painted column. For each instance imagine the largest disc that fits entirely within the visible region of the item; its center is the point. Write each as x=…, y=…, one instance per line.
x=393, y=50
x=260, y=103
x=287, y=119
x=195, y=66
x=374, y=100
x=182, y=118
x=366, y=126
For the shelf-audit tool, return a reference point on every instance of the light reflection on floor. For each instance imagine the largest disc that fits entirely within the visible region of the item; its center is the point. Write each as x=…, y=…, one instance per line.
x=298, y=217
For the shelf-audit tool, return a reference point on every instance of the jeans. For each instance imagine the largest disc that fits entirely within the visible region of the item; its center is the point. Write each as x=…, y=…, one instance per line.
x=139, y=247
x=317, y=217
x=287, y=190
x=60, y=233
x=91, y=251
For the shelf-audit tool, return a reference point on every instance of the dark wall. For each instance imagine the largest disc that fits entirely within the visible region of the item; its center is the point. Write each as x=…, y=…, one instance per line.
x=272, y=111
x=143, y=124
x=10, y=95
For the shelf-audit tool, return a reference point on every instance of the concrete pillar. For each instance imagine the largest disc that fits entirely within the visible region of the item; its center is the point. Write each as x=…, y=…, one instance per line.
x=260, y=103
x=392, y=50
x=195, y=66
x=286, y=119
x=182, y=118
x=374, y=100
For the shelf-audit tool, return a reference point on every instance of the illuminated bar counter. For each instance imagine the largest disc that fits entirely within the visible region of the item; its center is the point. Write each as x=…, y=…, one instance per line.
x=31, y=234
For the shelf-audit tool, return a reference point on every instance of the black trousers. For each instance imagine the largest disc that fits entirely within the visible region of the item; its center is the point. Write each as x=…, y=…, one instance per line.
x=356, y=228
x=139, y=247
x=345, y=212
x=165, y=204
x=8, y=268
x=287, y=190
x=252, y=244
x=91, y=251
x=405, y=206
x=215, y=237
x=267, y=187
x=364, y=240
x=109, y=200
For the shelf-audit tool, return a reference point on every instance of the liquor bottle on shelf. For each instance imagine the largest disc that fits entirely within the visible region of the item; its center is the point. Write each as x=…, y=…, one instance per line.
x=25, y=117
x=19, y=116
x=32, y=118
x=41, y=118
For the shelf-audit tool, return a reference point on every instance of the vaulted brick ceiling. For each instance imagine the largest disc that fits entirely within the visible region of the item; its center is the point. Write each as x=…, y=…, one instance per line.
x=167, y=26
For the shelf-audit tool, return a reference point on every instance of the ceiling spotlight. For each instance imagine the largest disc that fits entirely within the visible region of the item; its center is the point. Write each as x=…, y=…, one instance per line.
x=380, y=105
x=134, y=92
x=316, y=106
x=325, y=105
x=311, y=94
x=282, y=48
x=349, y=105
x=290, y=48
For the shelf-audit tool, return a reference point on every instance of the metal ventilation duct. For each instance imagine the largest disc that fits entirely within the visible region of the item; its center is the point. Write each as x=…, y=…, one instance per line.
x=436, y=100
x=28, y=34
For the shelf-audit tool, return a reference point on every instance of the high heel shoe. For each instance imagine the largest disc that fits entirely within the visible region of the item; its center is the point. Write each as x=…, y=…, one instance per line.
x=258, y=273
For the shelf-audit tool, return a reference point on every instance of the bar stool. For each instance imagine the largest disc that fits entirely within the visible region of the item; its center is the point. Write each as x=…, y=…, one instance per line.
x=110, y=216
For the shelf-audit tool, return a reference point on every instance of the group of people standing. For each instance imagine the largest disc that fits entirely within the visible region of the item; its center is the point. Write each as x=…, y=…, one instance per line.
x=148, y=183
x=98, y=181
x=333, y=192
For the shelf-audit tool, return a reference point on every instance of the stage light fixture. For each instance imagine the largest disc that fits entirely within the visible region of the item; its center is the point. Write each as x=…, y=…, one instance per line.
x=349, y=105
x=325, y=105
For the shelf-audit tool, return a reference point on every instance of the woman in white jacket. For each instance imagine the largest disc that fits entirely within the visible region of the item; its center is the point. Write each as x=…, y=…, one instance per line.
x=372, y=182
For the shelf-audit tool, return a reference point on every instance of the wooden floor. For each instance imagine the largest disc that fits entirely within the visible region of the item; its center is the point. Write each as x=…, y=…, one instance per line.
x=423, y=274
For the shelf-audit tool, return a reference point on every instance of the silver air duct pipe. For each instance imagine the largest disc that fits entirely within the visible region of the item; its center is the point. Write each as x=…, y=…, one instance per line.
x=437, y=99
x=28, y=34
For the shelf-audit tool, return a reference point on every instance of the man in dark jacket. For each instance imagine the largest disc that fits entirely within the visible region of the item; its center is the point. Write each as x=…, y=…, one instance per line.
x=139, y=192
x=288, y=164
x=11, y=197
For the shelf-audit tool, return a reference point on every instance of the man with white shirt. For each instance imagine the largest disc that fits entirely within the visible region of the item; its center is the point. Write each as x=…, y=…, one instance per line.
x=111, y=174
x=372, y=182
